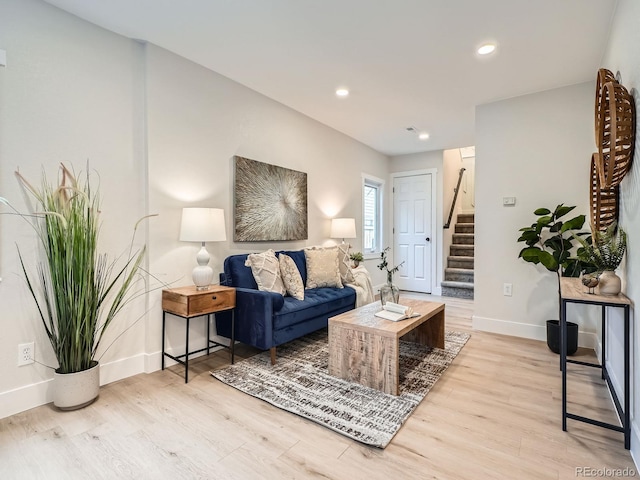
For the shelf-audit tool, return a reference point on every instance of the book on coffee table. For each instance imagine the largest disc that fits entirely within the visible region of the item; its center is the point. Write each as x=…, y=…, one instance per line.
x=395, y=312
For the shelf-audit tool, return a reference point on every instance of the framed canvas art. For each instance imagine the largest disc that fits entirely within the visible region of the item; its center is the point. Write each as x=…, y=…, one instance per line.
x=270, y=202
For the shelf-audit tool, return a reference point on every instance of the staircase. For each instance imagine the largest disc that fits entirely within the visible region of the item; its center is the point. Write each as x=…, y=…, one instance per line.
x=458, y=276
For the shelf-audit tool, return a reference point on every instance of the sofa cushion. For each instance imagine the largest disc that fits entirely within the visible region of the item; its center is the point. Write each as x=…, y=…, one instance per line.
x=266, y=271
x=344, y=264
x=299, y=259
x=322, y=267
x=317, y=301
x=291, y=277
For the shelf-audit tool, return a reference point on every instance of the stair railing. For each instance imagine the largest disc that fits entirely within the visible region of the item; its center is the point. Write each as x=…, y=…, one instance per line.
x=455, y=197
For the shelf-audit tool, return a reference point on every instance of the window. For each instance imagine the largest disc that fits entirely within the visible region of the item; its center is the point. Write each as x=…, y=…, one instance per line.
x=372, y=214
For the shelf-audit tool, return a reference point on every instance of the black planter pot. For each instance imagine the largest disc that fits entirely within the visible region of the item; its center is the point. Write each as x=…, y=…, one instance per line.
x=553, y=336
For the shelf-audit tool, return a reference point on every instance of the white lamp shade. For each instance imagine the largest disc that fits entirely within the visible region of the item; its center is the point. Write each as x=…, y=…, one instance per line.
x=343, y=228
x=203, y=225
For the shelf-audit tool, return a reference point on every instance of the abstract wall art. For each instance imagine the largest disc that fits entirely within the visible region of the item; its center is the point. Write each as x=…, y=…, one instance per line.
x=270, y=202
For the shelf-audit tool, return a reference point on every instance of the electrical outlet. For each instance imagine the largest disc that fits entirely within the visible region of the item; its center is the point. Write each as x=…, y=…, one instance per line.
x=26, y=352
x=507, y=289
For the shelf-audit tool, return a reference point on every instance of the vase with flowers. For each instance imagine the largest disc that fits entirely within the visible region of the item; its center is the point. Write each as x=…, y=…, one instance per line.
x=388, y=292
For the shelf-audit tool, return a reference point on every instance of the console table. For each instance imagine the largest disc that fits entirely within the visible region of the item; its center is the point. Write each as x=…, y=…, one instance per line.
x=572, y=291
x=188, y=302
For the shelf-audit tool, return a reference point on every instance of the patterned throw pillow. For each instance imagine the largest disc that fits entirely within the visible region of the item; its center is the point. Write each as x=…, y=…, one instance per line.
x=291, y=277
x=344, y=262
x=266, y=271
x=322, y=267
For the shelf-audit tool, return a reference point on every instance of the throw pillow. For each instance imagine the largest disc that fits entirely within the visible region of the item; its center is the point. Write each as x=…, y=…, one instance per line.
x=266, y=271
x=344, y=263
x=291, y=277
x=322, y=267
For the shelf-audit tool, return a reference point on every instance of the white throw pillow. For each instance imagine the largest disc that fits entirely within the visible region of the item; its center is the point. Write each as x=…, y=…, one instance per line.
x=322, y=267
x=344, y=263
x=266, y=271
x=291, y=277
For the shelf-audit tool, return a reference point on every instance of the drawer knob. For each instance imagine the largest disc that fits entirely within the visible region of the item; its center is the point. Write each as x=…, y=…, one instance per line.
x=214, y=297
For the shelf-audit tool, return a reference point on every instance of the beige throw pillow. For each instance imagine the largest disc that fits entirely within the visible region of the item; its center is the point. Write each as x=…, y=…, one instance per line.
x=322, y=267
x=266, y=271
x=344, y=263
x=291, y=277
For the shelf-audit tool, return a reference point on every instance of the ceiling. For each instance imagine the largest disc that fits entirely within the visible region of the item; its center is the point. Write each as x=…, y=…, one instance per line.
x=405, y=62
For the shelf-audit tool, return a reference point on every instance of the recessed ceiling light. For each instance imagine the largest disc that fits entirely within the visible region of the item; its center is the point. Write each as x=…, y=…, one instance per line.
x=486, y=49
x=342, y=92
x=423, y=136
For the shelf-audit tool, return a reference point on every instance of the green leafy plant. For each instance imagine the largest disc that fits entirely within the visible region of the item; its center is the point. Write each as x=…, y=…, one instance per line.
x=384, y=265
x=356, y=257
x=78, y=292
x=606, y=248
x=550, y=241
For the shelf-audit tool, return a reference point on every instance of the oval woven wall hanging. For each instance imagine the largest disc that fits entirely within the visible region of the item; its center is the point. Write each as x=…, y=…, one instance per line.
x=616, y=134
x=604, y=76
x=604, y=201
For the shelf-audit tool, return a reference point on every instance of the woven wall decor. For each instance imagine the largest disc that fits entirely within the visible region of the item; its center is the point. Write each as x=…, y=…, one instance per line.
x=616, y=133
x=604, y=201
x=604, y=76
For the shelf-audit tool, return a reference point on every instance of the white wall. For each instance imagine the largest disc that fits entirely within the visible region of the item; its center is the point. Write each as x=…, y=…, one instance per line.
x=536, y=148
x=161, y=131
x=67, y=95
x=198, y=120
x=421, y=161
x=621, y=57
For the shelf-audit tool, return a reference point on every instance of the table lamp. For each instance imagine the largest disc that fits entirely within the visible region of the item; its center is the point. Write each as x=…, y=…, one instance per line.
x=202, y=225
x=343, y=228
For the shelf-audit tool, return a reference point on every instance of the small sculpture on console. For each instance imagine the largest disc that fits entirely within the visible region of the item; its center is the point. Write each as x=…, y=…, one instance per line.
x=591, y=280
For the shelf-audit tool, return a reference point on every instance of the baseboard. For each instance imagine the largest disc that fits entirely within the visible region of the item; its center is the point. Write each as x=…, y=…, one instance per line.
x=526, y=330
x=40, y=393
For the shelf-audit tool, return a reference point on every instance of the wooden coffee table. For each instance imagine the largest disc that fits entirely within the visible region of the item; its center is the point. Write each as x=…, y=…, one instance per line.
x=364, y=348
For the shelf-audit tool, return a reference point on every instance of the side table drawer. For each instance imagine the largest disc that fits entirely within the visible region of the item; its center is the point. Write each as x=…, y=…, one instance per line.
x=209, y=301
x=192, y=303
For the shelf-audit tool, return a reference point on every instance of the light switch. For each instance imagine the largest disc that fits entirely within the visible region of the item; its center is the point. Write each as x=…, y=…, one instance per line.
x=508, y=201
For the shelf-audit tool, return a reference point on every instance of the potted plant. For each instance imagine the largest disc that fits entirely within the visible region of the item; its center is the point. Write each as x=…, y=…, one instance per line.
x=606, y=251
x=356, y=257
x=388, y=292
x=78, y=292
x=550, y=241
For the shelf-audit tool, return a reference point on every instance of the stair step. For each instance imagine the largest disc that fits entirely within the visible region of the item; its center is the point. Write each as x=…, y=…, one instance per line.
x=465, y=228
x=462, y=250
x=459, y=275
x=460, y=262
x=457, y=289
x=466, y=218
x=463, y=238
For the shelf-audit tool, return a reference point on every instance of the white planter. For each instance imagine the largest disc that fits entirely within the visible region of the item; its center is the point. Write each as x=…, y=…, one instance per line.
x=72, y=391
x=610, y=283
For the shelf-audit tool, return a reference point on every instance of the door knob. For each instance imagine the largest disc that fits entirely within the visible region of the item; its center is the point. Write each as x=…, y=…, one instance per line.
x=428, y=239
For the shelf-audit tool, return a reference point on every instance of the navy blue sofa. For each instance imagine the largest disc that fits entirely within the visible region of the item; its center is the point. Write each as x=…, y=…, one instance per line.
x=265, y=319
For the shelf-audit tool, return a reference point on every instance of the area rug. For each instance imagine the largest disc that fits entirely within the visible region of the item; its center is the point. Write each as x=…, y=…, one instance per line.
x=300, y=383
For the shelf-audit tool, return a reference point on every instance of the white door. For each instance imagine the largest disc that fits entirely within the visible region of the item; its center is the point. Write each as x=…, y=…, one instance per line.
x=412, y=237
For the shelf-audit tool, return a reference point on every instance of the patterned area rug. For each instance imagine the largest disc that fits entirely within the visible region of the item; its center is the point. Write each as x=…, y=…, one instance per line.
x=300, y=383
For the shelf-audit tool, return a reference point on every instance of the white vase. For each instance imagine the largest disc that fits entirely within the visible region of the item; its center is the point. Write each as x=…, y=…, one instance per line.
x=610, y=283
x=72, y=391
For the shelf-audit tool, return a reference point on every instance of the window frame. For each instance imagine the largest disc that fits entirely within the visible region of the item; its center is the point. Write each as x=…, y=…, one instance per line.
x=377, y=183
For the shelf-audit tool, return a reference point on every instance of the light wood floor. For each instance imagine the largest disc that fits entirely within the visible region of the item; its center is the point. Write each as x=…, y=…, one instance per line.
x=495, y=414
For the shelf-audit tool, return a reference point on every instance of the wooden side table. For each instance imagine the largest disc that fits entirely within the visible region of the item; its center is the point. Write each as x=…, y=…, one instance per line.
x=572, y=291
x=188, y=302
